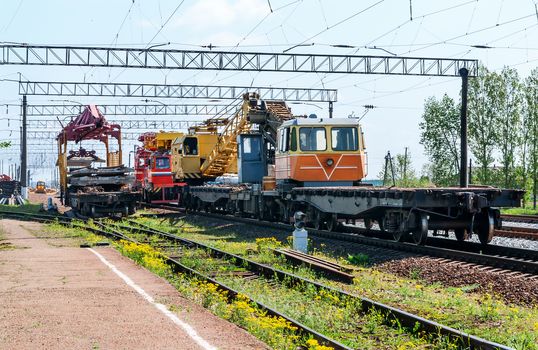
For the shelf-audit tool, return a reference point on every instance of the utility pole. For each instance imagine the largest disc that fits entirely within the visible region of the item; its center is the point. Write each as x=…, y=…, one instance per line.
x=405, y=168
x=24, y=165
x=470, y=171
x=464, y=179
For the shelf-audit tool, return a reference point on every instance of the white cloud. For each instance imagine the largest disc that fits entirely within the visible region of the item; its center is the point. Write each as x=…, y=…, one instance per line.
x=214, y=14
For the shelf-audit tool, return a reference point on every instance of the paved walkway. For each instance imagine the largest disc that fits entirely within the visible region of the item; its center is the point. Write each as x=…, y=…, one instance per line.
x=68, y=298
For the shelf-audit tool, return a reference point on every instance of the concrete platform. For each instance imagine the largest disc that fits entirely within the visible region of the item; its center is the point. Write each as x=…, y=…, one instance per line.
x=67, y=298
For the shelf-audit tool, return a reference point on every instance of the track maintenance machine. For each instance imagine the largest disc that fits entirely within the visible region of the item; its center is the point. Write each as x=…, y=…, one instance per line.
x=94, y=191
x=153, y=167
x=316, y=165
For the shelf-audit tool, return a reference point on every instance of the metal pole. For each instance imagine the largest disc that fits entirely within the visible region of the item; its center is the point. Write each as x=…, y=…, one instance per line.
x=464, y=179
x=330, y=109
x=24, y=165
x=405, y=168
x=470, y=171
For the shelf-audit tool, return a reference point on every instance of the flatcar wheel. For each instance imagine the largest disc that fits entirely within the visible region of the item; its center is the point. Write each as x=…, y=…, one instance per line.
x=485, y=227
x=199, y=204
x=368, y=223
x=317, y=220
x=332, y=222
x=461, y=234
x=381, y=225
x=397, y=235
x=420, y=233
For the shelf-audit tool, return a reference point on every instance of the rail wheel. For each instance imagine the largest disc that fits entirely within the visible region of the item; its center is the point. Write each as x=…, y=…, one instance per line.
x=485, y=227
x=461, y=234
x=397, y=235
x=332, y=222
x=317, y=220
x=420, y=233
x=199, y=204
x=381, y=225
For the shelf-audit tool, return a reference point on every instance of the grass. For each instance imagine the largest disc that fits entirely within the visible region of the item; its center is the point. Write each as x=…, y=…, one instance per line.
x=59, y=235
x=26, y=208
x=480, y=314
x=339, y=319
x=520, y=211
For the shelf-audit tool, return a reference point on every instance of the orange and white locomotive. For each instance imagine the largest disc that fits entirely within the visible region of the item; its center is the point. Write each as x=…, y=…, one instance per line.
x=317, y=151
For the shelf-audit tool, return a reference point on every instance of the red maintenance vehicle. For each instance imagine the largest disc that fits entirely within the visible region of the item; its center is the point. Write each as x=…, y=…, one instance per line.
x=153, y=168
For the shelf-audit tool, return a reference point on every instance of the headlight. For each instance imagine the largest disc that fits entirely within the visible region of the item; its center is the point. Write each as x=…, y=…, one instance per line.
x=330, y=162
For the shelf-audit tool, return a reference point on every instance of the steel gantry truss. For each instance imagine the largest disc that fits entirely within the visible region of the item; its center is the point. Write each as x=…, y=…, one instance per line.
x=173, y=91
x=40, y=124
x=51, y=135
x=233, y=61
x=139, y=109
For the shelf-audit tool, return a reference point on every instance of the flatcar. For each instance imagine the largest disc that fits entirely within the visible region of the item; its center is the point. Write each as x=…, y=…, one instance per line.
x=319, y=165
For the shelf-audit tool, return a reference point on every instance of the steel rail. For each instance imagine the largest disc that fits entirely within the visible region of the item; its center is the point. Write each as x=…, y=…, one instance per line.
x=520, y=218
x=515, y=259
x=391, y=313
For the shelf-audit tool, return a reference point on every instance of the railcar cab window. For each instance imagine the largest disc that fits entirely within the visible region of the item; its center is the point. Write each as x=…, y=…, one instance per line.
x=312, y=139
x=344, y=139
x=162, y=163
x=284, y=136
x=293, y=140
x=190, y=146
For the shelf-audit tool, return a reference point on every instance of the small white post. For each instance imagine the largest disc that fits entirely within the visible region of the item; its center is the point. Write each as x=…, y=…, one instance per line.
x=300, y=235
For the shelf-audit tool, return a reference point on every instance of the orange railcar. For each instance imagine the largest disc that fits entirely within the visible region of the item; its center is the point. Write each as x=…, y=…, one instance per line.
x=312, y=150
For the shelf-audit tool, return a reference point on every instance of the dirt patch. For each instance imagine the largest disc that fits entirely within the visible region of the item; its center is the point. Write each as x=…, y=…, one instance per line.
x=67, y=298
x=514, y=289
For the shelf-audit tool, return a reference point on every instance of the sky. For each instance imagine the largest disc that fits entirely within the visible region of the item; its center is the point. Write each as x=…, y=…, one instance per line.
x=417, y=28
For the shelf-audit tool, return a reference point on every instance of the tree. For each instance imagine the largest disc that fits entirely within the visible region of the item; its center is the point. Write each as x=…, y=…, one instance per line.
x=510, y=136
x=483, y=107
x=5, y=144
x=530, y=120
x=440, y=136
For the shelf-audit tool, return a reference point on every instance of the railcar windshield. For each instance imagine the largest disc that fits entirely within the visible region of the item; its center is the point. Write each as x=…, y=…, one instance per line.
x=344, y=139
x=162, y=163
x=190, y=146
x=312, y=139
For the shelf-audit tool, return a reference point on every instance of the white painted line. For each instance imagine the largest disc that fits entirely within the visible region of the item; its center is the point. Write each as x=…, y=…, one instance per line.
x=185, y=326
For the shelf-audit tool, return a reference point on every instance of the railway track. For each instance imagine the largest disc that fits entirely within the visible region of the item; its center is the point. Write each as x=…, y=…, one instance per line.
x=525, y=232
x=497, y=259
x=530, y=219
x=249, y=269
